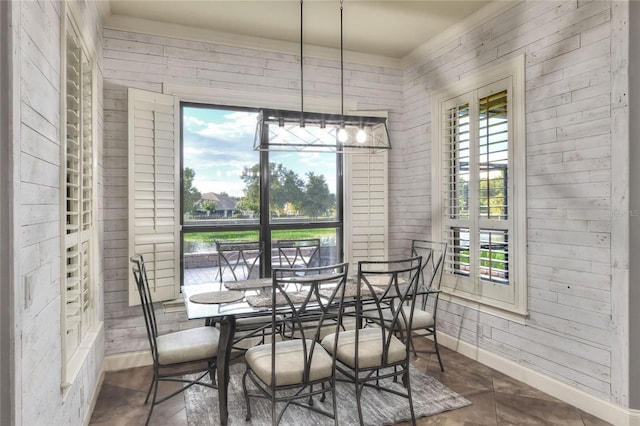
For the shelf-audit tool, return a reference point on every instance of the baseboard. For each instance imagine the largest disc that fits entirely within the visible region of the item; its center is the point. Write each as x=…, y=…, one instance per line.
x=593, y=405
x=126, y=360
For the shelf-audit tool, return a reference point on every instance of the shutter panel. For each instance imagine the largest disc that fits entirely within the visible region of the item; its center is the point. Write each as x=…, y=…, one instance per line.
x=78, y=182
x=366, y=208
x=154, y=192
x=456, y=197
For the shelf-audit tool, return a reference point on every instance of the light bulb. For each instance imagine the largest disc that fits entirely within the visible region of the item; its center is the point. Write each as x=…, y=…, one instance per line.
x=342, y=135
x=361, y=136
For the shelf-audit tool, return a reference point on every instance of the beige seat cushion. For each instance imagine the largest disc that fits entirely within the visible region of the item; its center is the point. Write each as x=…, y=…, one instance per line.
x=188, y=345
x=370, y=348
x=421, y=319
x=289, y=362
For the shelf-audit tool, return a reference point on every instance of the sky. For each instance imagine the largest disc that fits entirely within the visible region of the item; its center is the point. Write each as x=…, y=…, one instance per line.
x=218, y=144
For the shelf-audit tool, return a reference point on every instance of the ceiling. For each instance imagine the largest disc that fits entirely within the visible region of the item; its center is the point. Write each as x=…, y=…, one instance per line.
x=391, y=28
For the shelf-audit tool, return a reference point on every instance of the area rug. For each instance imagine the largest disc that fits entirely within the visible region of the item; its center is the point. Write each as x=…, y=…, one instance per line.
x=379, y=408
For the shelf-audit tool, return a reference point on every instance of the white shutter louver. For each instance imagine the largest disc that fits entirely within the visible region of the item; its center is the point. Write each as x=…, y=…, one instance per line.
x=154, y=192
x=366, y=208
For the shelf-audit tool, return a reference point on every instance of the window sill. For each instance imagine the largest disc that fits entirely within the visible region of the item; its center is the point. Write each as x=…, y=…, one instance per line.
x=495, y=308
x=78, y=360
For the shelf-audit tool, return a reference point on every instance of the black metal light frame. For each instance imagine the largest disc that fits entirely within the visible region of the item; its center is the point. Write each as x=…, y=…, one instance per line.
x=282, y=130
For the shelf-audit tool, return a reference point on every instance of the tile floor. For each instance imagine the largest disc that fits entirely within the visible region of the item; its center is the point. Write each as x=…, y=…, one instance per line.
x=497, y=399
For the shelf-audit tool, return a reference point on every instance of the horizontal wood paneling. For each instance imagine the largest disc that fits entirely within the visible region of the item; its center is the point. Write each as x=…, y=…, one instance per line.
x=570, y=333
x=133, y=60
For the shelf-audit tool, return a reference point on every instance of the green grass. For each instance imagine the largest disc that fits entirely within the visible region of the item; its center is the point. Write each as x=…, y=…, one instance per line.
x=484, y=255
x=205, y=237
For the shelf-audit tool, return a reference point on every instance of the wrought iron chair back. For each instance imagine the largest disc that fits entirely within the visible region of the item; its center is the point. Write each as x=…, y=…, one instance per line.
x=241, y=259
x=299, y=254
x=430, y=280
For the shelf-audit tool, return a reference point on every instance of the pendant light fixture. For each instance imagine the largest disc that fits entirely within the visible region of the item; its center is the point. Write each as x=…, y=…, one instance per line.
x=282, y=130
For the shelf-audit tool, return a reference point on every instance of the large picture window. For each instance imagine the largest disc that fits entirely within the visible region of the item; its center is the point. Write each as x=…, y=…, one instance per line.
x=231, y=193
x=479, y=187
x=195, y=180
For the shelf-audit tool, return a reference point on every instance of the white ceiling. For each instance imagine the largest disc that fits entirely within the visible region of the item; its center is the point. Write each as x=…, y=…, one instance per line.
x=390, y=28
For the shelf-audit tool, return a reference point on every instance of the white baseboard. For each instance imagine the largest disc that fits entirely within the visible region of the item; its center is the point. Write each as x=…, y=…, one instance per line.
x=593, y=405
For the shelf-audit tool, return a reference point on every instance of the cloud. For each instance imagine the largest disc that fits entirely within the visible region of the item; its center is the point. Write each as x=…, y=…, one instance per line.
x=239, y=125
x=192, y=122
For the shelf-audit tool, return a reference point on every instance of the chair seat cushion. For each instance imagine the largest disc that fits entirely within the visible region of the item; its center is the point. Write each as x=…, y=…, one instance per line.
x=188, y=345
x=370, y=348
x=289, y=362
x=421, y=319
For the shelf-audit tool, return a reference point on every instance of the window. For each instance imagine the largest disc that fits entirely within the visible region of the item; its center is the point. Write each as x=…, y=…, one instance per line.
x=232, y=193
x=176, y=214
x=479, y=186
x=78, y=284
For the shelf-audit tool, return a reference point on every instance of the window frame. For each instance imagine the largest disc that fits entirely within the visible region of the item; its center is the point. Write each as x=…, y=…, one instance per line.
x=265, y=226
x=510, y=301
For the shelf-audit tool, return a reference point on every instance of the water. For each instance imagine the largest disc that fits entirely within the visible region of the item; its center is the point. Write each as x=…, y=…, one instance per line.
x=210, y=246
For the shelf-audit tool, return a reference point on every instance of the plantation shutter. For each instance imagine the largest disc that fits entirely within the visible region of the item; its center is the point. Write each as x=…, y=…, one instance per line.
x=78, y=183
x=73, y=239
x=154, y=192
x=495, y=220
x=366, y=207
x=477, y=192
x=458, y=203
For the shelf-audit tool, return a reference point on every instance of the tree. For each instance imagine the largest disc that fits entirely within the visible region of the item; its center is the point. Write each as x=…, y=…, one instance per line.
x=287, y=191
x=251, y=199
x=318, y=201
x=286, y=188
x=209, y=206
x=191, y=195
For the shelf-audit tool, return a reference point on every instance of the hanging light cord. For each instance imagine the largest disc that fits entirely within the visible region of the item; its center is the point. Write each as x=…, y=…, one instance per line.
x=341, y=67
x=301, y=72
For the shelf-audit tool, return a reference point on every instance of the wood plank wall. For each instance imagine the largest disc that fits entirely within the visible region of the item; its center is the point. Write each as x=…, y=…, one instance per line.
x=146, y=62
x=570, y=333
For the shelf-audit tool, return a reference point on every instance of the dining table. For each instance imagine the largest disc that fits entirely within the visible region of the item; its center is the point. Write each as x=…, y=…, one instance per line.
x=224, y=305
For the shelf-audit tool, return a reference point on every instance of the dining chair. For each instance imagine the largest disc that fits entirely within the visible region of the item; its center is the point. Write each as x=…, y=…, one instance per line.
x=292, y=371
x=424, y=317
x=372, y=356
x=238, y=260
x=299, y=254
x=424, y=314
x=176, y=354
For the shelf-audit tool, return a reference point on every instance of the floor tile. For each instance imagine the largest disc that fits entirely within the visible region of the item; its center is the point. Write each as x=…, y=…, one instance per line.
x=496, y=398
x=522, y=410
